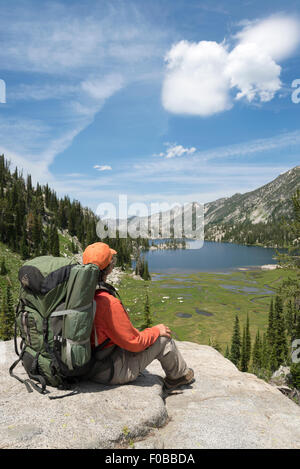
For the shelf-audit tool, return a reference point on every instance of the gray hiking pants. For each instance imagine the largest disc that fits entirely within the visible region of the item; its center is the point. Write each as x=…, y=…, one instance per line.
x=128, y=365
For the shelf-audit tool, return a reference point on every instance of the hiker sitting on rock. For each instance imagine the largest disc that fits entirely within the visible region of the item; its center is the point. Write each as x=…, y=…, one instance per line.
x=127, y=351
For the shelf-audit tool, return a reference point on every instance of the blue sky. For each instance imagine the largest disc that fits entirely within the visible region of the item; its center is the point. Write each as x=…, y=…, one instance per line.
x=161, y=100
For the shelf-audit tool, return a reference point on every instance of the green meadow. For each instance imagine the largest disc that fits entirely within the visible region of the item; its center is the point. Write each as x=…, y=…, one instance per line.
x=202, y=306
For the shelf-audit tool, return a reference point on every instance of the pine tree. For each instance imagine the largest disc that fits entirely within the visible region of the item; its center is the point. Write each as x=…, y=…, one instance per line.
x=235, y=351
x=257, y=354
x=271, y=328
x=246, y=347
x=265, y=353
x=146, y=275
x=7, y=319
x=243, y=363
x=227, y=352
x=280, y=350
x=54, y=241
x=73, y=247
x=290, y=318
x=24, y=251
x=148, y=321
x=37, y=233
x=3, y=268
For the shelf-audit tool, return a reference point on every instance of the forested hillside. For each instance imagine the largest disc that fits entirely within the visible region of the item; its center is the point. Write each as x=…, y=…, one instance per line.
x=34, y=221
x=273, y=348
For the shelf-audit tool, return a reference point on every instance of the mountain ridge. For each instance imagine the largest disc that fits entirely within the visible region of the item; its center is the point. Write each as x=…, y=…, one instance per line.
x=257, y=205
x=253, y=217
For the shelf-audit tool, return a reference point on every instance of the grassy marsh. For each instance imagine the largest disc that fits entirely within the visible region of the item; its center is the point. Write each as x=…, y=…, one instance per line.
x=202, y=305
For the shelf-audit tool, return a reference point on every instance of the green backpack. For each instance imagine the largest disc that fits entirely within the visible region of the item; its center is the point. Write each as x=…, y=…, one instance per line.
x=55, y=319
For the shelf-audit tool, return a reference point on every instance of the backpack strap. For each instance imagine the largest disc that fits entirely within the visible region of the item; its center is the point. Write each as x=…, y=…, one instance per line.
x=23, y=381
x=32, y=375
x=103, y=286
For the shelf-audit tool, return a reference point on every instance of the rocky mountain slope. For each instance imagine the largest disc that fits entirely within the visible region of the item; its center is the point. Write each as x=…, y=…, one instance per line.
x=265, y=204
x=225, y=219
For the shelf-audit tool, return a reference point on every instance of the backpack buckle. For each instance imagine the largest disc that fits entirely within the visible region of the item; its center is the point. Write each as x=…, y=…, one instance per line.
x=58, y=338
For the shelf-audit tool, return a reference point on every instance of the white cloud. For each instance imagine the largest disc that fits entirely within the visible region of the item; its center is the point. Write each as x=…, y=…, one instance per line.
x=102, y=167
x=253, y=72
x=277, y=36
x=200, y=77
x=195, y=81
x=176, y=150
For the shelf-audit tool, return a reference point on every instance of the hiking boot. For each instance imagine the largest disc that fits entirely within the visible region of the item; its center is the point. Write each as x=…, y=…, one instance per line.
x=175, y=383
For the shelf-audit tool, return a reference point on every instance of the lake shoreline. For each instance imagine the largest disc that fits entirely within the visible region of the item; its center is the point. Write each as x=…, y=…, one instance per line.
x=209, y=257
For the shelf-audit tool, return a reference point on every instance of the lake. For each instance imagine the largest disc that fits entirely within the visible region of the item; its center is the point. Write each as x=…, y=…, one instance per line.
x=212, y=257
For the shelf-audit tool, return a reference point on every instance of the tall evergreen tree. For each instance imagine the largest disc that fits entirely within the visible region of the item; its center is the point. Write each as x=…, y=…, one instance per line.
x=246, y=347
x=3, y=268
x=265, y=353
x=54, y=241
x=7, y=319
x=24, y=250
x=257, y=354
x=148, y=320
x=289, y=316
x=37, y=233
x=280, y=349
x=235, y=351
x=271, y=328
x=146, y=274
x=227, y=352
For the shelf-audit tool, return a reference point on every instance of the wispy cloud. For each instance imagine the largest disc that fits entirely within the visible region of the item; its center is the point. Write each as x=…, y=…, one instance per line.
x=207, y=185
x=102, y=167
x=251, y=147
x=208, y=175
x=74, y=62
x=174, y=150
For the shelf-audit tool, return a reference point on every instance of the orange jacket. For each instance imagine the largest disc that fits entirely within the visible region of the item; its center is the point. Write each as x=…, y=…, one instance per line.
x=112, y=321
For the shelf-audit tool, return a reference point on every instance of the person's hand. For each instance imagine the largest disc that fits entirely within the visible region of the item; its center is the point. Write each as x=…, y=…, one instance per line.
x=164, y=331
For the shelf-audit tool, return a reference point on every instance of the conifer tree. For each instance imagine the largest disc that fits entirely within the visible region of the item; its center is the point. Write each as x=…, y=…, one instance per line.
x=243, y=364
x=289, y=318
x=265, y=355
x=235, y=351
x=37, y=232
x=271, y=328
x=54, y=241
x=3, y=268
x=148, y=321
x=24, y=251
x=146, y=274
x=7, y=319
x=73, y=247
x=246, y=347
x=257, y=354
x=280, y=350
